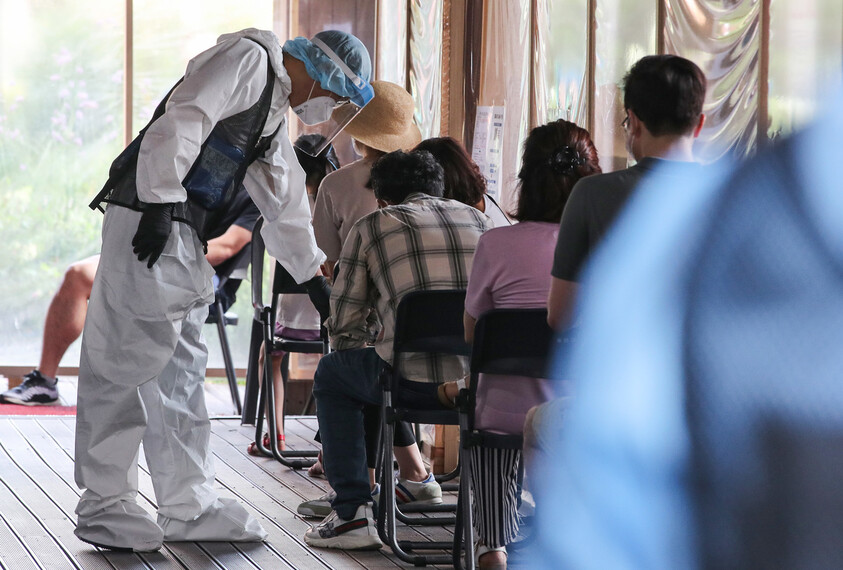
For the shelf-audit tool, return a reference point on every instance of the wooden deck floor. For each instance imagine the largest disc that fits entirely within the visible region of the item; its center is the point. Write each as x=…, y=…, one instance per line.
x=38, y=497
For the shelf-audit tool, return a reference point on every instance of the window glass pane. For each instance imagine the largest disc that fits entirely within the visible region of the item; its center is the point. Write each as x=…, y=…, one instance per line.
x=560, y=60
x=426, y=64
x=61, y=121
x=722, y=37
x=392, y=39
x=626, y=32
x=806, y=43
x=162, y=48
x=504, y=88
x=164, y=45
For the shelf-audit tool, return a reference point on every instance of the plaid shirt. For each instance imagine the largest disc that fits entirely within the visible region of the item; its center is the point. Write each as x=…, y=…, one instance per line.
x=422, y=243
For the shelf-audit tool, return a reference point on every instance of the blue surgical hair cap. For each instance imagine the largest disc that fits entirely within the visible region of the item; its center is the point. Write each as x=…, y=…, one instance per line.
x=321, y=68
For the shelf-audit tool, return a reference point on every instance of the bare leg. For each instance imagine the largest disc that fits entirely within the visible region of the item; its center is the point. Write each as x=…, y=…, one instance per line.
x=66, y=314
x=410, y=464
x=278, y=382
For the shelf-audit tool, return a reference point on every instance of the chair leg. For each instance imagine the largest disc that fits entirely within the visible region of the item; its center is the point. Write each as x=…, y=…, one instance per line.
x=253, y=374
x=388, y=513
x=465, y=514
x=227, y=359
x=268, y=403
x=285, y=458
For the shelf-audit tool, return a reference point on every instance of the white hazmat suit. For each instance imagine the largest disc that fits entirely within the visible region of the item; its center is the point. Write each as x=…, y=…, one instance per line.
x=143, y=358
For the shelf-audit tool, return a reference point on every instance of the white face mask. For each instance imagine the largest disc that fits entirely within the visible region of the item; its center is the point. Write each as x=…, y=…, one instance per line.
x=316, y=110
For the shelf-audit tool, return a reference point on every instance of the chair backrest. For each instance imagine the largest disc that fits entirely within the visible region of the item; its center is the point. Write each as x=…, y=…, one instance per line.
x=513, y=342
x=509, y=342
x=431, y=321
x=428, y=321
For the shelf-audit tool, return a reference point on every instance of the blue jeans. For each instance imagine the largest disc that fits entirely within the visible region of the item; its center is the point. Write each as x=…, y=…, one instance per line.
x=345, y=381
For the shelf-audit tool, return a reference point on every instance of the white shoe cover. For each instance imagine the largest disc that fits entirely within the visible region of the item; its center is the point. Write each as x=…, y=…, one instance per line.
x=122, y=525
x=224, y=521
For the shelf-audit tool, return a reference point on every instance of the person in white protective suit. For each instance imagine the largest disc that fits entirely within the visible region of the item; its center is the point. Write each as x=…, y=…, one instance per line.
x=143, y=358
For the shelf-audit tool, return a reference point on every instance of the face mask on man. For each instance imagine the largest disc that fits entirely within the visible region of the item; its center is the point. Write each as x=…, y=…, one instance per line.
x=316, y=110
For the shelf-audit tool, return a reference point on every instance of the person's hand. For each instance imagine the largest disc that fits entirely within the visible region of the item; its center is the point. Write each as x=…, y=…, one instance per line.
x=154, y=229
x=320, y=295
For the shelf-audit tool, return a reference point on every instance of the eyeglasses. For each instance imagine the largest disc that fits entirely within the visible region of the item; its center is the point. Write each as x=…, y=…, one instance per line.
x=625, y=122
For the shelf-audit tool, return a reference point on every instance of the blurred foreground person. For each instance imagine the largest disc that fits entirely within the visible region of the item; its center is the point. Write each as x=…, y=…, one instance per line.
x=708, y=422
x=143, y=358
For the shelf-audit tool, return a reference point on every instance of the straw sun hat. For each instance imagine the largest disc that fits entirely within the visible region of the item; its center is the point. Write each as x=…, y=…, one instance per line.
x=386, y=123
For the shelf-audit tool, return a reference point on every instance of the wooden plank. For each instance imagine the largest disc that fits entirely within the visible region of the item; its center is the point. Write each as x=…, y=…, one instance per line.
x=302, y=485
x=172, y=555
x=45, y=442
x=28, y=505
x=14, y=551
x=44, y=448
x=276, y=504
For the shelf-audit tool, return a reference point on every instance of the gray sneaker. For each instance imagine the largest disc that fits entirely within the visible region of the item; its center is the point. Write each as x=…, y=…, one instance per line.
x=427, y=492
x=36, y=390
x=321, y=507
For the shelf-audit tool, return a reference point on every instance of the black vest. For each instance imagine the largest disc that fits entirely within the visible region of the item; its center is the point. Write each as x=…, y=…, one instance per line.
x=242, y=131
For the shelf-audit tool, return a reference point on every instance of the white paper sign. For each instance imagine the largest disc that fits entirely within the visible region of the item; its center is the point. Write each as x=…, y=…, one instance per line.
x=487, y=150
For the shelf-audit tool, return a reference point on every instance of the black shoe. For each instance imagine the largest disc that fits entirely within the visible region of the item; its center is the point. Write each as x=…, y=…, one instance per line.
x=36, y=390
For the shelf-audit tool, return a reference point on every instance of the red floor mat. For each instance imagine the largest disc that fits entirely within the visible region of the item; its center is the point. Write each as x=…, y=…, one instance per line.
x=16, y=410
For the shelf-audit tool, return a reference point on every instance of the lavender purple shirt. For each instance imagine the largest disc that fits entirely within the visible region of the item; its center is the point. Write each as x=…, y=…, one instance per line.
x=511, y=269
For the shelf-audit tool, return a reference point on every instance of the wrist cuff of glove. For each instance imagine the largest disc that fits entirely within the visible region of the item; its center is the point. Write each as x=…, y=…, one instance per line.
x=155, y=207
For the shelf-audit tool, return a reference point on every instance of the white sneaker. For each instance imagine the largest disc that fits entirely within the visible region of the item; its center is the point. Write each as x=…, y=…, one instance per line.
x=357, y=533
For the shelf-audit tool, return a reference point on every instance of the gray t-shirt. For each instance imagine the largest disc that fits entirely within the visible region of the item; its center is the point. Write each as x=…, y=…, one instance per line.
x=594, y=204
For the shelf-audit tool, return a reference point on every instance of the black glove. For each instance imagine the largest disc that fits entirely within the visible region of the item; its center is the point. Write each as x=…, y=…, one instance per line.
x=153, y=230
x=320, y=295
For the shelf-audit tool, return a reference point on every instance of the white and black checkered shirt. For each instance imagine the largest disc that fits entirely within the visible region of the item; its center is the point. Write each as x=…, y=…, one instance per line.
x=422, y=243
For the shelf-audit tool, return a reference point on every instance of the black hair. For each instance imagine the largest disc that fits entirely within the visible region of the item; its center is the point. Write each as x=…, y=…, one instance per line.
x=463, y=180
x=666, y=92
x=398, y=174
x=556, y=155
x=315, y=167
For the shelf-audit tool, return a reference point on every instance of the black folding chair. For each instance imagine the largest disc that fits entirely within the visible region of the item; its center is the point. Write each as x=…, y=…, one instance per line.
x=282, y=284
x=512, y=342
x=426, y=322
x=230, y=274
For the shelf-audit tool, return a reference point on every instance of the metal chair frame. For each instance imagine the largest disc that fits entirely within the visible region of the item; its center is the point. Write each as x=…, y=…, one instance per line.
x=496, y=350
x=426, y=322
x=282, y=284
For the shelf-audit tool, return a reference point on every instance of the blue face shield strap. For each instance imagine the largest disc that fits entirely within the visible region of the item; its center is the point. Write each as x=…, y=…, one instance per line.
x=363, y=90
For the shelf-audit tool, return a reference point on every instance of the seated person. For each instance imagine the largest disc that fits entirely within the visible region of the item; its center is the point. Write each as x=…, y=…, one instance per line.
x=415, y=241
x=512, y=270
x=66, y=313
x=384, y=125
x=297, y=318
x=463, y=180
x=663, y=96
